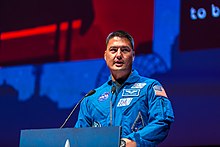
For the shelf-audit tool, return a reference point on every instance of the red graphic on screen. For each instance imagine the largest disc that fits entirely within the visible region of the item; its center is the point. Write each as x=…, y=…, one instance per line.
x=70, y=30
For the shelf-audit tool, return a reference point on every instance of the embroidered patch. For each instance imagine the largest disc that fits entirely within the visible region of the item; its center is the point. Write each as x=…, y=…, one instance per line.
x=124, y=102
x=138, y=85
x=131, y=92
x=159, y=91
x=104, y=96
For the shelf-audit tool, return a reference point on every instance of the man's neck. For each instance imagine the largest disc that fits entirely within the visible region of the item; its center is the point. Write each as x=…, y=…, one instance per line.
x=120, y=77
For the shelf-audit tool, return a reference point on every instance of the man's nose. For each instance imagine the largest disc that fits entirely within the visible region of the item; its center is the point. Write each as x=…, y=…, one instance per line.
x=118, y=54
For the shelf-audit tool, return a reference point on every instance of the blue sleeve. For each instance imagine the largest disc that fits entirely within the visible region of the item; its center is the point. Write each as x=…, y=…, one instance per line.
x=84, y=119
x=160, y=118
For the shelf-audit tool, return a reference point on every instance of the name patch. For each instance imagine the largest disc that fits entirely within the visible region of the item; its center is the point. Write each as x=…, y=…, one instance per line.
x=124, y=102
x=131, y=92
x=138, y=85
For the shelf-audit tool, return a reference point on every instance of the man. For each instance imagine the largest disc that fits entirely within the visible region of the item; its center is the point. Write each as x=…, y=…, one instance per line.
x=138, y=104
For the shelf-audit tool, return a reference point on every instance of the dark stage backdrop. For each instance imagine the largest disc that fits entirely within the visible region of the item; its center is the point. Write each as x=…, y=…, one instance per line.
x=51, y=55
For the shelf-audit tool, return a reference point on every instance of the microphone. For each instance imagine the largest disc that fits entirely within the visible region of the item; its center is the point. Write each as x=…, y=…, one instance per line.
x=113, y=89
x=91, y=92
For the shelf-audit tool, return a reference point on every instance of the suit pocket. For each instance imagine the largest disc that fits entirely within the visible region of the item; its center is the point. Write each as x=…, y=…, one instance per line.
x=138, y=123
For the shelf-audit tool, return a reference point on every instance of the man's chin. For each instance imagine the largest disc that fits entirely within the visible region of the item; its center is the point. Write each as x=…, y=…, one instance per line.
x=118, y=69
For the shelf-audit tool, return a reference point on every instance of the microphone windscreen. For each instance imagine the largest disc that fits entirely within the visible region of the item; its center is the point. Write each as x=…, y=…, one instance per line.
x=113, y=89
x=91, y=92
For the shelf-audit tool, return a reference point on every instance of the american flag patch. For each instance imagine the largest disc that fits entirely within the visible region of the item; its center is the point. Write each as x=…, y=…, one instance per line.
x=159, y=91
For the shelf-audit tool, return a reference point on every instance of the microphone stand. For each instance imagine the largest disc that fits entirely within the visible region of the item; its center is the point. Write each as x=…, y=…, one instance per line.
x=88, y=94
x=112, y=91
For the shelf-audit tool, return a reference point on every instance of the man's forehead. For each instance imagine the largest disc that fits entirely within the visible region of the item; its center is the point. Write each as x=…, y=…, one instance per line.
x=119, y=41
x=115, y=38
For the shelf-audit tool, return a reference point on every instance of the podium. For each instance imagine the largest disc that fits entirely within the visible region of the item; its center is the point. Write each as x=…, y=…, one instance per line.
x=71, y=137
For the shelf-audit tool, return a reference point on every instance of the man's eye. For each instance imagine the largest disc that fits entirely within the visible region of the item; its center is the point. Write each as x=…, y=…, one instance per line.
x=113, y=49
x=125, y=49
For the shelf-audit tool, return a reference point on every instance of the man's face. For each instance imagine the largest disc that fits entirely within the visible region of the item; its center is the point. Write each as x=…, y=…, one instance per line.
x=119, y=55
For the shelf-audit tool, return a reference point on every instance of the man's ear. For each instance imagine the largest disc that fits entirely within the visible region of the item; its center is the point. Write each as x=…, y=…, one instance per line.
x=133, y=56
x=105, y=55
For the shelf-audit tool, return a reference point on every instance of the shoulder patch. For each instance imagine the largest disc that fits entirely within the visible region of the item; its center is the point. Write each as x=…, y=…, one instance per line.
x=159, y=91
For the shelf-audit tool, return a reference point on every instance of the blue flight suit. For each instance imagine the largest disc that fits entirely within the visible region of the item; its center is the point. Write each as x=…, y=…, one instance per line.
x=140, y=106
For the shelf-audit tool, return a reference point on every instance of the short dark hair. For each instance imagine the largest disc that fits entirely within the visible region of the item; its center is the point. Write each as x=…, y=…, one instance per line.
x=121, y=34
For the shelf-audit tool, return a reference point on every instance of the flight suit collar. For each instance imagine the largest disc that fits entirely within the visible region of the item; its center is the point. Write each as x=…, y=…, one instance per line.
x=134, y=77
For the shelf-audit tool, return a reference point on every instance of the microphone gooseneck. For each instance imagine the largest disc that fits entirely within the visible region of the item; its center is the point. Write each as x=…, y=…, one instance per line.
x=91, y=92
x=113, y=89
